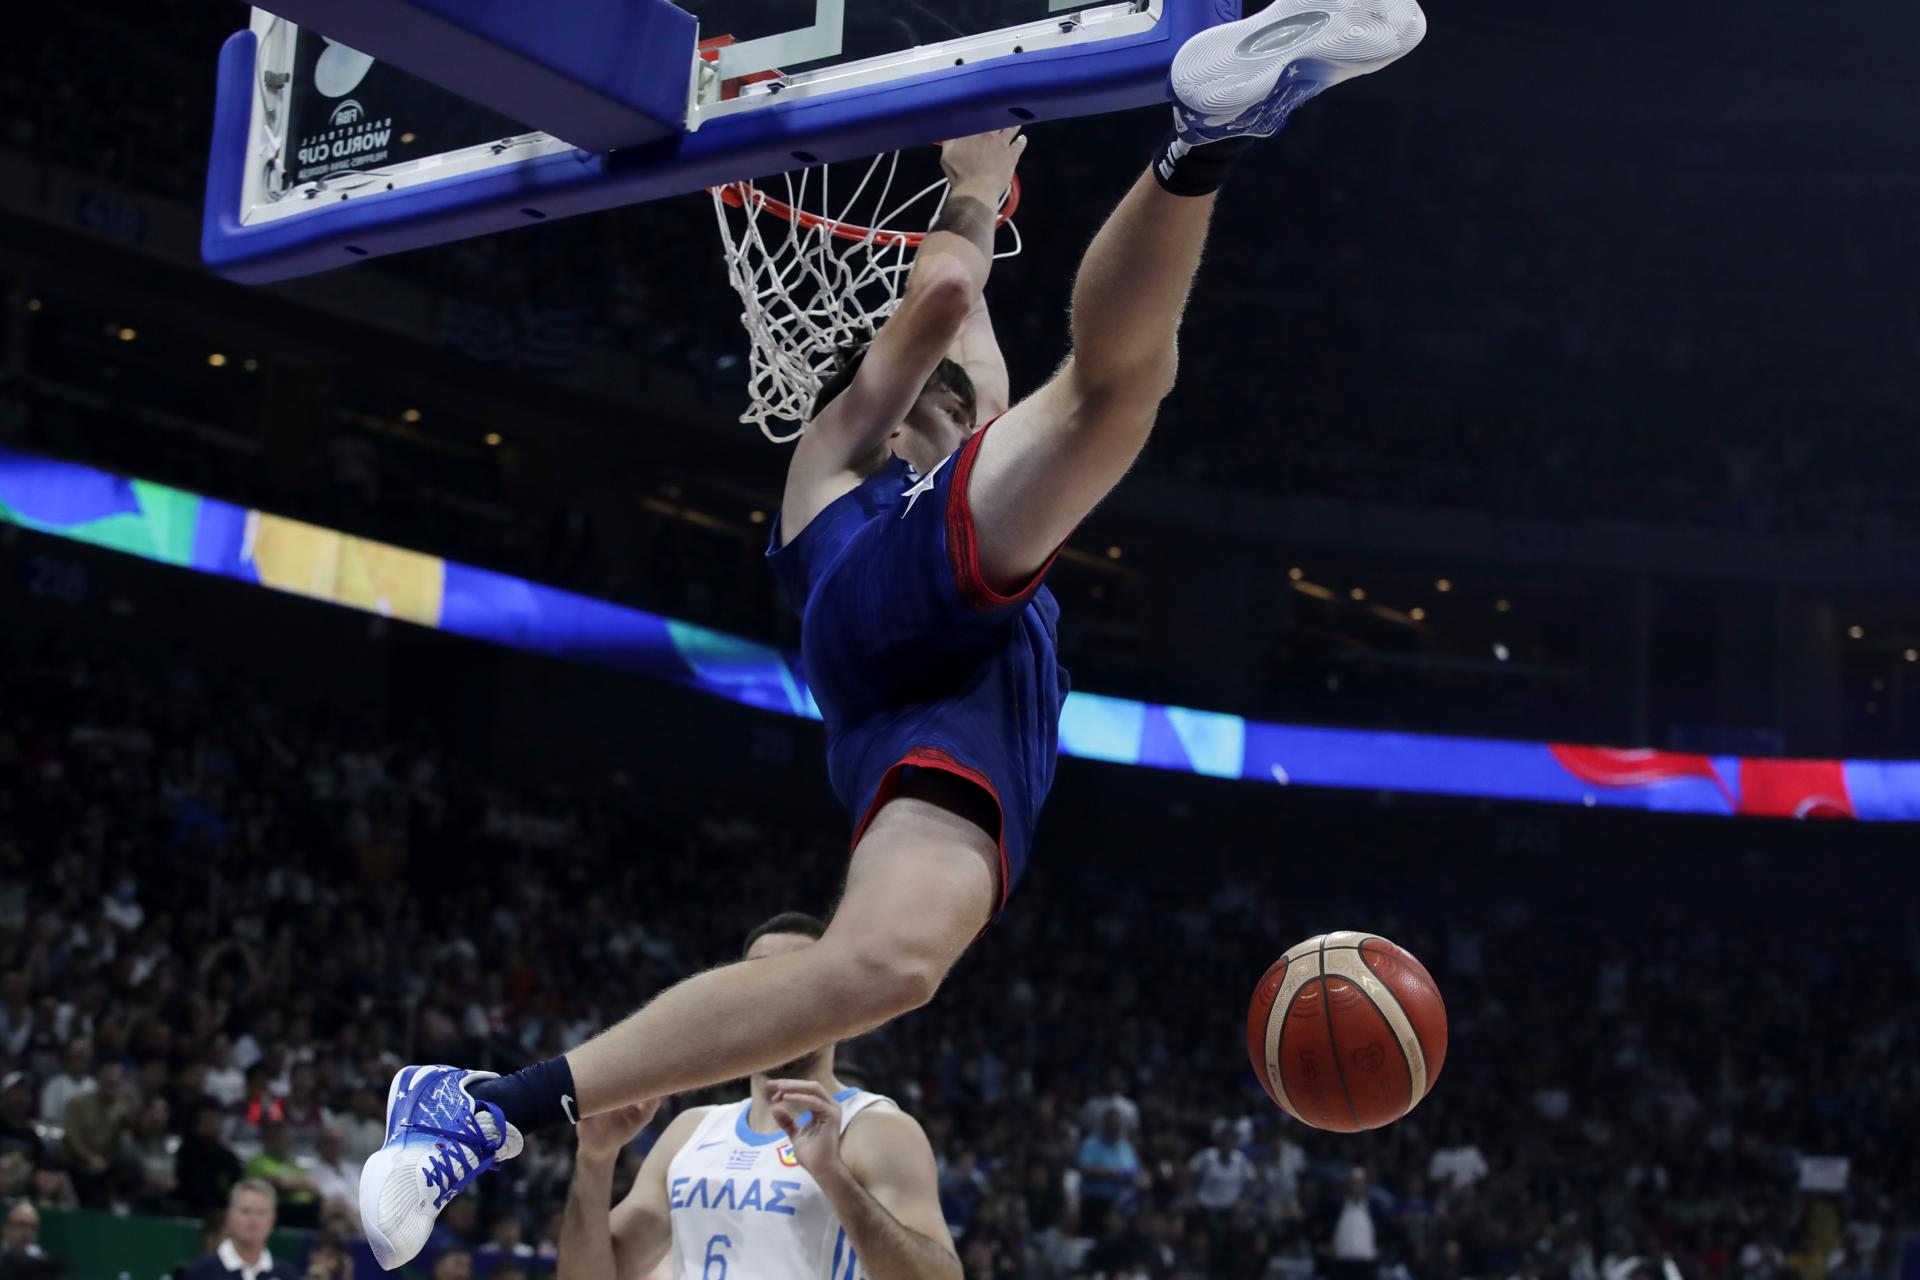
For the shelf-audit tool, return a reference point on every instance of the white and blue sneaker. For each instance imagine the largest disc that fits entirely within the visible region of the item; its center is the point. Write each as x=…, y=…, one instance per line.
x=439, y=1138
x=1244, y=78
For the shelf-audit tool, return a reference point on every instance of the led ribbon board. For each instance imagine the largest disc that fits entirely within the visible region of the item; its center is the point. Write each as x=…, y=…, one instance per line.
x=174, y=527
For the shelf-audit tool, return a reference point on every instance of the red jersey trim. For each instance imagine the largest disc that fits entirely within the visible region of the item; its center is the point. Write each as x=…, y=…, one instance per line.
x=963, y=547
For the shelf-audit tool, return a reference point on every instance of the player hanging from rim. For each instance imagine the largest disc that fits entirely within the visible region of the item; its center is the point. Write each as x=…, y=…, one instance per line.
x=918, y=523
x=851, y=1193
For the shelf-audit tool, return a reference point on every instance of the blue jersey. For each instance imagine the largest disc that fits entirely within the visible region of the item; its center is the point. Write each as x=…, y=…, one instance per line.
x=915, y=661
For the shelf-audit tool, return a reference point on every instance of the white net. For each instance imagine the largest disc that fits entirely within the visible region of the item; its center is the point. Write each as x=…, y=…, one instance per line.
x=815, y=271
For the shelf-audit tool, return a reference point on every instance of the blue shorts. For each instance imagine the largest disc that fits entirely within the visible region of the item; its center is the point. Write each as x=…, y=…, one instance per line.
x=915, y=661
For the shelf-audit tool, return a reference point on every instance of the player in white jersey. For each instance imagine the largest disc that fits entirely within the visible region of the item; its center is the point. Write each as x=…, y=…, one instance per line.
x=804, y=1179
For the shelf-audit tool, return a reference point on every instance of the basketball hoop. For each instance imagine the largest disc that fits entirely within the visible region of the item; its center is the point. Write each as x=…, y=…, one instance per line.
x=814, y=275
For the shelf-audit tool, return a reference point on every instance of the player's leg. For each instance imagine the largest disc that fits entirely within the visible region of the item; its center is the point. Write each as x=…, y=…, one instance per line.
x=1050, y=459
x=922, y=884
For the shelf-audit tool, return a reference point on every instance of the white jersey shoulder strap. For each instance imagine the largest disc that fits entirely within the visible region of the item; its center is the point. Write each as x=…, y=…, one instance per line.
x=862, y=1101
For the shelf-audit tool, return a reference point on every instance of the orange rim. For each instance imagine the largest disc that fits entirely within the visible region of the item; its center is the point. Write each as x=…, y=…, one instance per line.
x=742, y=195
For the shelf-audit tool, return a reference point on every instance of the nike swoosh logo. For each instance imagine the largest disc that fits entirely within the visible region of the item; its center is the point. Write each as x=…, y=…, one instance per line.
x=567, y=1108
x=715, y=1143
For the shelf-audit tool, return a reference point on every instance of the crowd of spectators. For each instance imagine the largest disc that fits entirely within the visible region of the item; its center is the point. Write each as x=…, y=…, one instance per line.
x=224, y=923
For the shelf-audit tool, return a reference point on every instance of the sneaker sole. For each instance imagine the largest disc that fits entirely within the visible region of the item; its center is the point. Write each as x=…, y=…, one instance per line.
x=373, y=1181
x=1228, y=71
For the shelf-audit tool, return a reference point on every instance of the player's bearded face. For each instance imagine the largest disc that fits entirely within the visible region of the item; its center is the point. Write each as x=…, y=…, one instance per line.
x=799, y=1069
x=937, y=424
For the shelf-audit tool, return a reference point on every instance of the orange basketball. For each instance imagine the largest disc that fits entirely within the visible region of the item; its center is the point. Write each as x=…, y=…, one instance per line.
x=1347, y=1032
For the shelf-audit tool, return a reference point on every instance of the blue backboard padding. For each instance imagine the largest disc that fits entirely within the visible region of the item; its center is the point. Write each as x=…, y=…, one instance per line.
x=1127, y=71
x=598, y=73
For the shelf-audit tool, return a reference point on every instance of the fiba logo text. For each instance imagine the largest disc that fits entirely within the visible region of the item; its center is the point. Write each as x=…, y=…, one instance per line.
x=350, y=139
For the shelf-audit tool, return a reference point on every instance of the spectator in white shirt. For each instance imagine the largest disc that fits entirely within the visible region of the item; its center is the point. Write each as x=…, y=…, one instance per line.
x=1458, y=1165
x=1354, y=1248
x=362, y=1126
x=75, y=1078
x=1114, y=1099
x=336, y=1179
x=225, y=1083
x=1222, y=1173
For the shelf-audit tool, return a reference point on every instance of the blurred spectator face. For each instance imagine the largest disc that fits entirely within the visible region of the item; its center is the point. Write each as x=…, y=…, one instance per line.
x=79, y=1058
x=329, y=1146
x=328, y=1259
x=111, y=1078
x=16, y=1100
x=157, y=1039
x=153, y=1119
x=276, y=1140
x=110, y=1038
x=49, y=1182
x=1357, y=1183
x=459, y=1216
x=340, y=1219
x=250, y=1219
x=22, y=1231
x=454, y=1264
x=506, y=1232
x=16, y=1170
x=1110, y=1125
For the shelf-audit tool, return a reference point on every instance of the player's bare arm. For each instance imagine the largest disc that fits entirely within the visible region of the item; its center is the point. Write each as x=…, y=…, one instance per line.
x=628, y=1241
x=849, y=437
x=977, y=350
x=880, y=1178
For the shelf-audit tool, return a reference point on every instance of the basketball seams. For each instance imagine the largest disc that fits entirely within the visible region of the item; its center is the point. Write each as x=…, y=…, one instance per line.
x=1393, y=1016
x=1333, y=1041
x=1291, y=985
